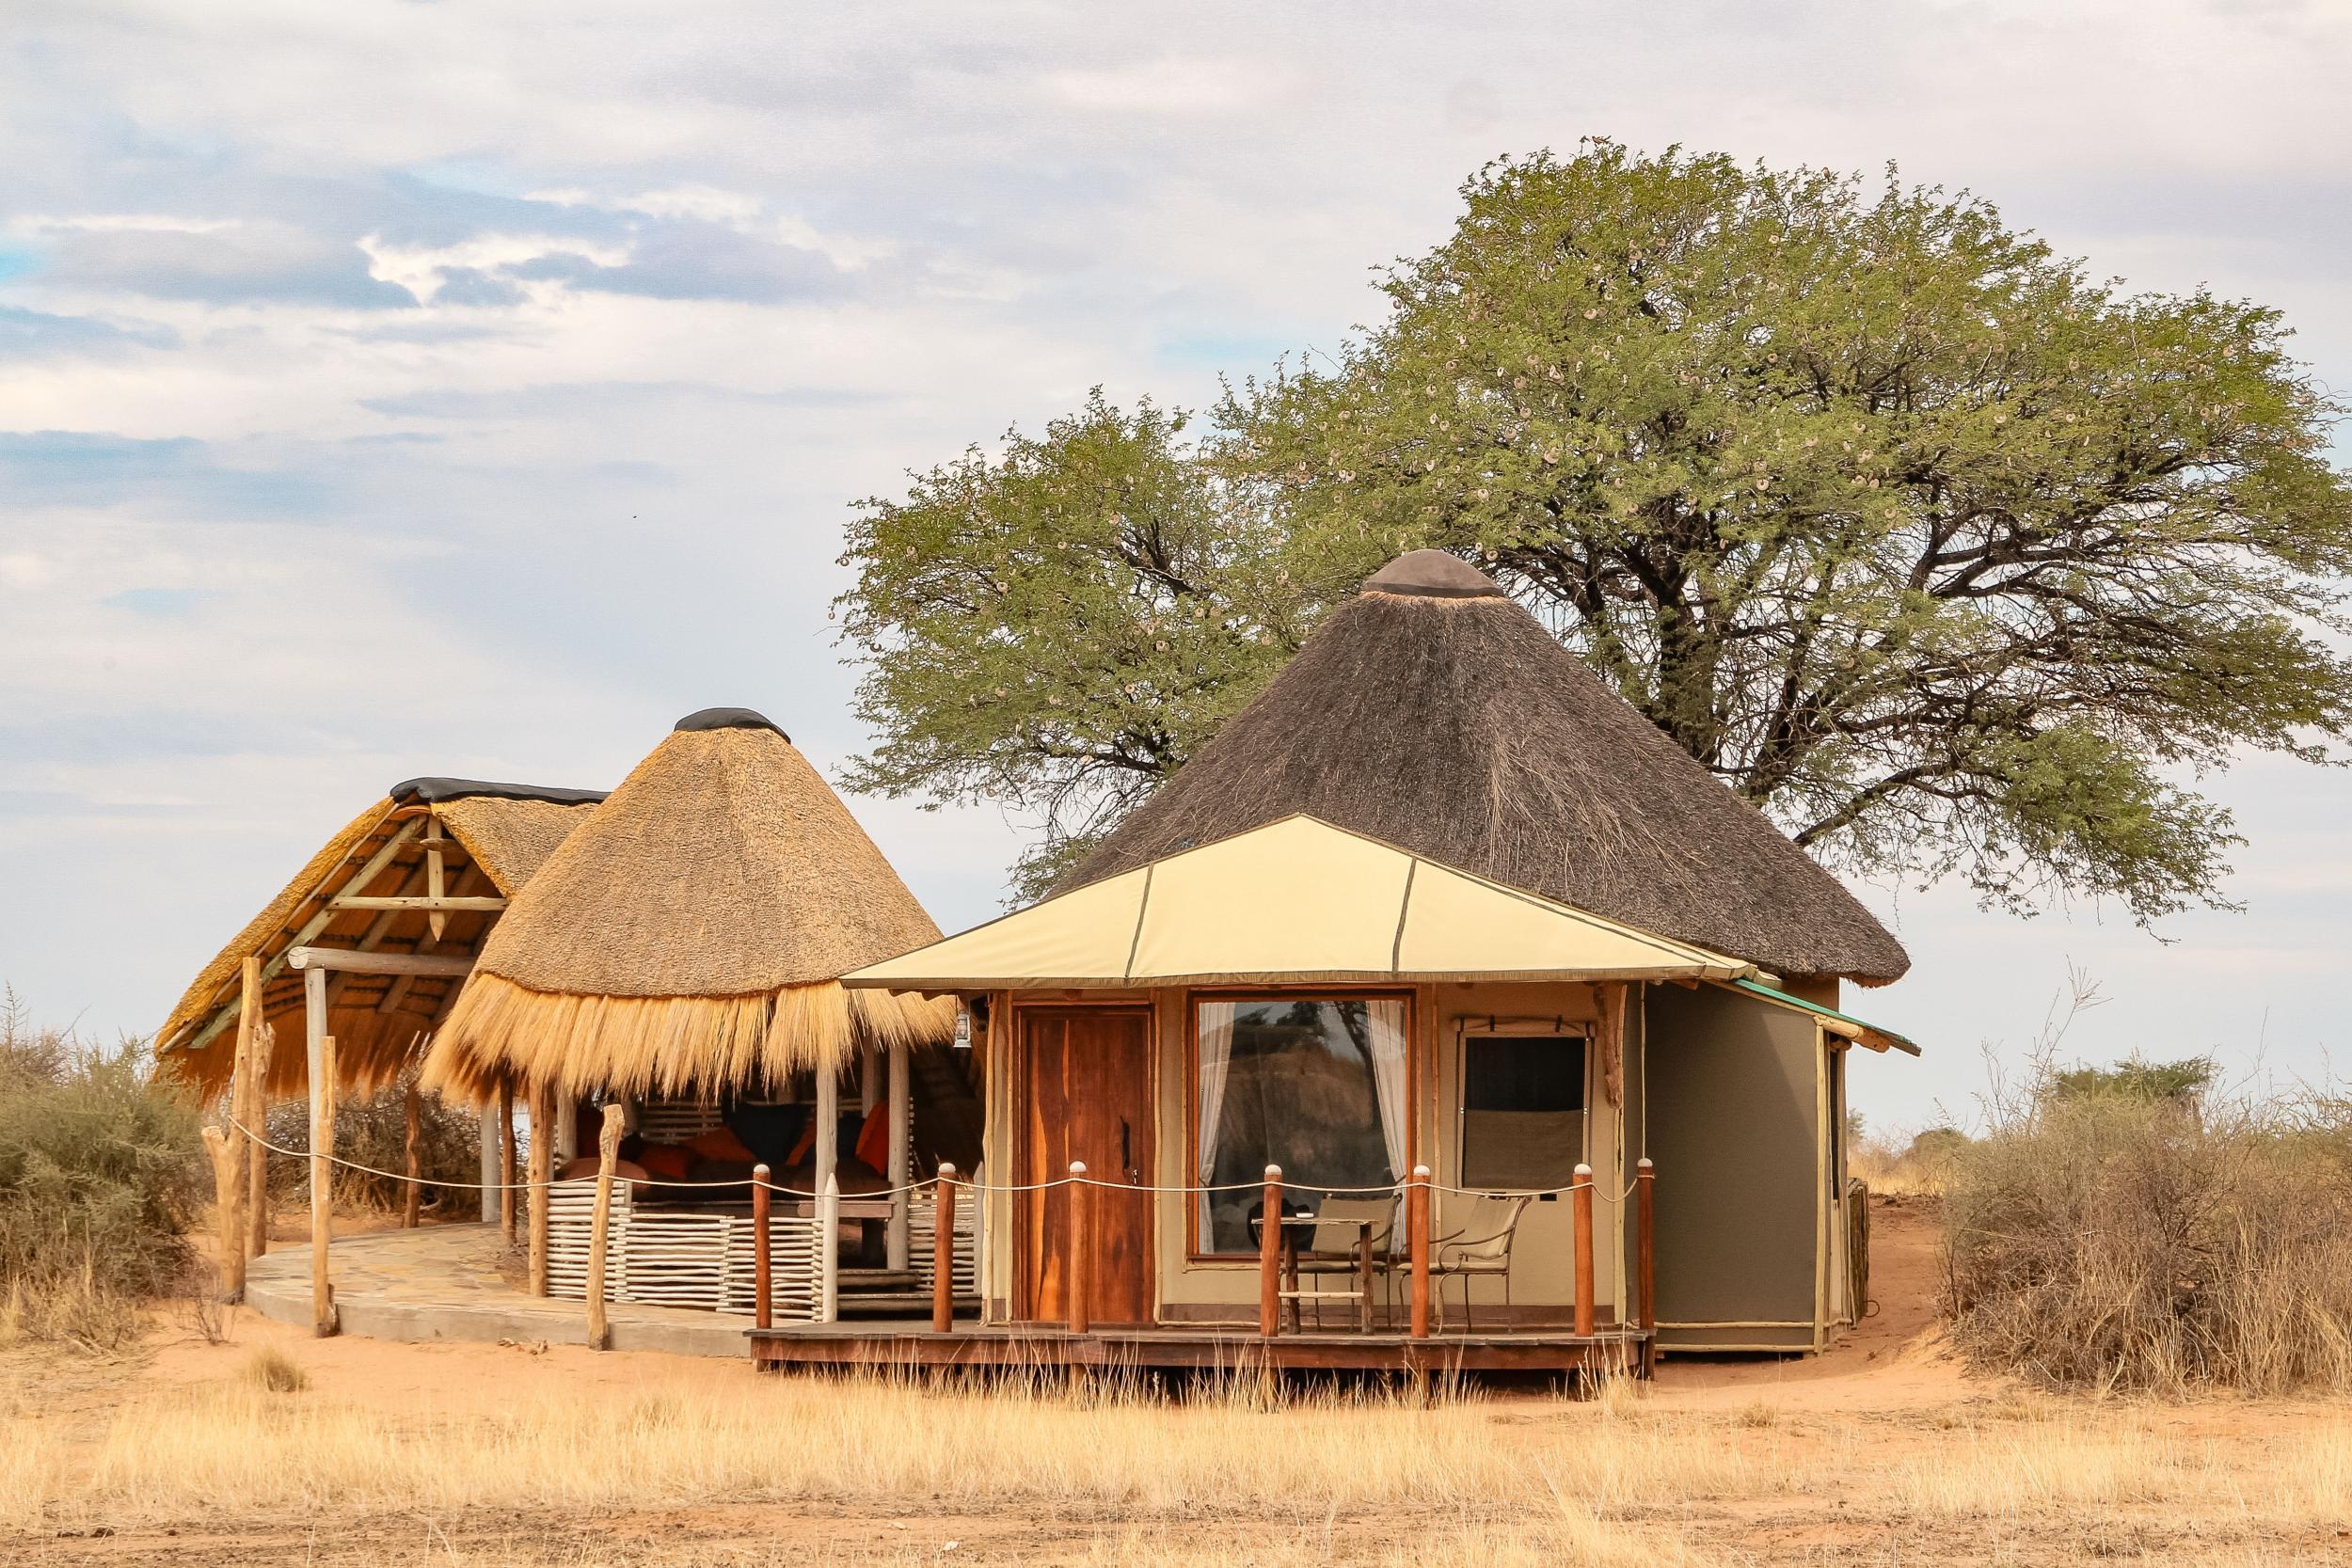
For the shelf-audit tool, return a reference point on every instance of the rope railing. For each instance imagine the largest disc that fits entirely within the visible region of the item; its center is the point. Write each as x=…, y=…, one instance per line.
x=918, y=1188
x=1416, y=1190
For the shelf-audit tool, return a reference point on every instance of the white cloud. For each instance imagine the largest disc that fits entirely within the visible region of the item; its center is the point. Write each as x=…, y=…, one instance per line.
x=515, y=522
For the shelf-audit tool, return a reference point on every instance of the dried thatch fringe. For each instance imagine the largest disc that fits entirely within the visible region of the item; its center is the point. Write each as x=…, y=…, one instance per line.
x=665, y=1046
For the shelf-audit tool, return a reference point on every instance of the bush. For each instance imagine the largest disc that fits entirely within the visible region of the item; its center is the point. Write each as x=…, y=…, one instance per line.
x=101, y=1173
x=375, y=1133
x=2104, y=1235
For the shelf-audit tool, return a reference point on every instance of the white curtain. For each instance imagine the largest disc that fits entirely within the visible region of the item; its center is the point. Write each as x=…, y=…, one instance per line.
x=1387, y=1027
x=1215, y=1058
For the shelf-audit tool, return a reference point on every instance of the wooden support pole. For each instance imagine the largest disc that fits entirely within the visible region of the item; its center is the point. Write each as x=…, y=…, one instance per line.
x=901, y=1161
x=763, y=1297
x=1581, y=1192
x=826, y=1150
x=868, y=1079
x=1644, y=1254
x=1079, y=1212
x=442, y=907
x=829, y=1249
x=506, y=1162
x=1417, y=1237
x=412, y=1147
x=228, y=1176
x=600, y=1223
x=944, y=1250
x=436, y=965
x=320, y=1064
x=256, y=1040
x=542, y=1171
x=488, y=1132
x=1270, y=1255
x=437, y=923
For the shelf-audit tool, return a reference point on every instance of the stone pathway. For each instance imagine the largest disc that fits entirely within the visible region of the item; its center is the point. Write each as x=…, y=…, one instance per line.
x=441, y=1282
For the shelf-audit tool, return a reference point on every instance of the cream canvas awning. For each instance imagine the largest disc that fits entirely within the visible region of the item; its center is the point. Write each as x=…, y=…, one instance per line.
x=1296, y=900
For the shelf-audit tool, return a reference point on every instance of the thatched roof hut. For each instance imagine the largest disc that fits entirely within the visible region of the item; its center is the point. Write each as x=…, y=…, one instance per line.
x=690, y=938
x=491, y=838
x=1432, y=713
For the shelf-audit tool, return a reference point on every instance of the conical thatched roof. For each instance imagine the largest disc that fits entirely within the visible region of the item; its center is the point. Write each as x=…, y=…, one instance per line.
x=690, y=937
x=1432, y=713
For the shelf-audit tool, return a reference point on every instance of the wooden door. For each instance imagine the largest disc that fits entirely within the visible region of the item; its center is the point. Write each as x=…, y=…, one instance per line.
x=1086, y=1093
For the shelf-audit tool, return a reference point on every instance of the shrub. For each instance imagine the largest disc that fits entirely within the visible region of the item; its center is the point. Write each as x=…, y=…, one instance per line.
x=375, y=1133
x=101, y=1173
x=2103, y=1236
x=274, y=1369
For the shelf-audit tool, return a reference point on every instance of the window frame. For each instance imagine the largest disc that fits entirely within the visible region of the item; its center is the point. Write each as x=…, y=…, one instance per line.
x=1575, y=1029
x=1195, y=1252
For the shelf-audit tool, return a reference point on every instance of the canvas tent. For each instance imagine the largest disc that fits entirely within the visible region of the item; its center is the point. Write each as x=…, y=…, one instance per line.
x=1436, y=897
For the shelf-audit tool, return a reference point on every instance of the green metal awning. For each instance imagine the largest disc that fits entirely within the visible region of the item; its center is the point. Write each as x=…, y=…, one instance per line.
x=1853, y=1028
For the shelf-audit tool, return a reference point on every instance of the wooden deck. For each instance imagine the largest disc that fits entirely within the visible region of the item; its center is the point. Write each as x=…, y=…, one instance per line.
x=1205, y=1347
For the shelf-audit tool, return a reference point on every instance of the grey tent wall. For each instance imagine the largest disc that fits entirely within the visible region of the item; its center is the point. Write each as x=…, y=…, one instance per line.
x=1733, y=1089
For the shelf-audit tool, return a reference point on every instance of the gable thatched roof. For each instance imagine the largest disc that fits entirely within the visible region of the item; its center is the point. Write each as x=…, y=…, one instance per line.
x=499, y=834
x=1432, y=713
x=690, y=937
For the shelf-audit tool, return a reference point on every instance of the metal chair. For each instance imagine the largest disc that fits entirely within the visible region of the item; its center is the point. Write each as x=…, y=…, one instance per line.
x=1482, y=1246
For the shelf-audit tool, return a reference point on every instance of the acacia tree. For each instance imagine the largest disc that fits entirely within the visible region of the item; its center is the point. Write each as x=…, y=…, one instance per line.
x=1949, y=559
x=1057, y=627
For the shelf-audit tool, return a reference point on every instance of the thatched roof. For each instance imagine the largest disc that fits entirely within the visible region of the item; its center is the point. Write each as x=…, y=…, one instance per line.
x=1432, y=713
x=499, y=834
x=690, y=937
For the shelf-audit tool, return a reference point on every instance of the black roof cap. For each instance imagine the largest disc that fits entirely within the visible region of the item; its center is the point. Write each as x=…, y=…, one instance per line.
x=1433, y=574
x=728, y=719
x=433, y=790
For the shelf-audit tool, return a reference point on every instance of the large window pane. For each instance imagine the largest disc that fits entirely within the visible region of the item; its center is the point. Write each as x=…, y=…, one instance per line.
x=1313, y=1084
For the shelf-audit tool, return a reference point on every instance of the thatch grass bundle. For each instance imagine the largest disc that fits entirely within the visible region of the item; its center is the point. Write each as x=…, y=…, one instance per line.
x=1434, y=713
x=689, y=938
x=669, y=1047
x=2135, y=1242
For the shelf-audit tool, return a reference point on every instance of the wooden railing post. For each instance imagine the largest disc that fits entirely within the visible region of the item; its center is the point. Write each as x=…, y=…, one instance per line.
x=1644, y=1254
x=1270, y=1255
x=763, y=1302
x=1081, y=1203
x=944, y=1250
x=228, y=1174
x=1417, y=1239
x=1582, y=1192
x=600, y=1224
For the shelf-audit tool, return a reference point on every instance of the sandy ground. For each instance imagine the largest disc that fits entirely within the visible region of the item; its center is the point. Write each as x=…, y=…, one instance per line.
x=1887, y=1391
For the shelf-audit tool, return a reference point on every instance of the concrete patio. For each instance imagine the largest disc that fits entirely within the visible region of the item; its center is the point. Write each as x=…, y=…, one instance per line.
x=442, y=1283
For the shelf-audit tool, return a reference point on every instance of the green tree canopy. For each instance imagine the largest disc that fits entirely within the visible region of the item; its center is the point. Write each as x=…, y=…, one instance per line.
x=1056, y=628
x=1951, y=559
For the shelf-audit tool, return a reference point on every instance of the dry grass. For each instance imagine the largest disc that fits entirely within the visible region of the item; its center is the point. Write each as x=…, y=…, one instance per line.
x=1119, y=1475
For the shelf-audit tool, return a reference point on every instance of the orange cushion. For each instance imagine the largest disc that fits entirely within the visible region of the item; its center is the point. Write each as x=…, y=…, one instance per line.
x=873, y=1139
x=808, y=1141
x=665, y=1160
x=720, y=1143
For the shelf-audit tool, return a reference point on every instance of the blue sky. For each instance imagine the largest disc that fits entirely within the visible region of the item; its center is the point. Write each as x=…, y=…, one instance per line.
x=390, y=388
